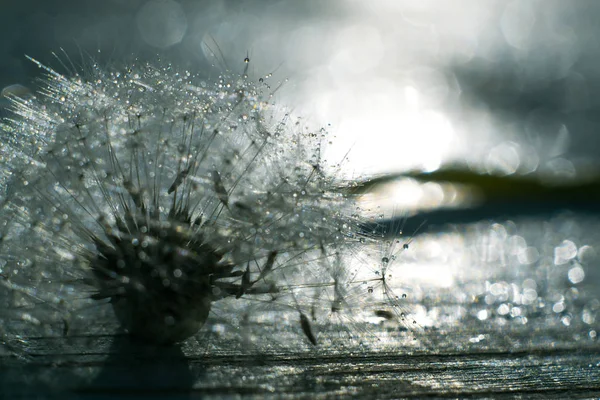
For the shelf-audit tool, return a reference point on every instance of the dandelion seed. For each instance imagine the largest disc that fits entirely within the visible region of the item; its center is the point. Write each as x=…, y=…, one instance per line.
x=307, y=329
x=162, y=195
x=384, y=314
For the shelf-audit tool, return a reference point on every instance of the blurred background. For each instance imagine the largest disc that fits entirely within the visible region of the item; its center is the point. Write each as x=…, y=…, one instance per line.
x=506, y=85
x=490, y=88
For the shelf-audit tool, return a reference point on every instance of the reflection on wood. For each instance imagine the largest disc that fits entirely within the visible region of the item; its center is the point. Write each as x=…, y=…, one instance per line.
x=546, y=363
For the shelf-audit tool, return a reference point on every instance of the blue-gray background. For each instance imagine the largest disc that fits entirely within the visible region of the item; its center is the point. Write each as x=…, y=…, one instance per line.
x=509, y=85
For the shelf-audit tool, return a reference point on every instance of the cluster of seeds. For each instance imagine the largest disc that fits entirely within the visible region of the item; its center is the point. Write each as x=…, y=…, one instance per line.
x=162, y=193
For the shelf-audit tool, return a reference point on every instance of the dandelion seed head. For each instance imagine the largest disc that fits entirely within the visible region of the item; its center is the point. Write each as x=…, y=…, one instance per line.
x=163, y=194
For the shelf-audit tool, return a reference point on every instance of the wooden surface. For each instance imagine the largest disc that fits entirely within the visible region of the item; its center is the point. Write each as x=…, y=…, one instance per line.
x=476, y=336
x=539, y=363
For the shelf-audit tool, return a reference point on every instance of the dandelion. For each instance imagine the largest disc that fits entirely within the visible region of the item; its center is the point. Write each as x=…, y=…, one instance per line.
x=164, y=195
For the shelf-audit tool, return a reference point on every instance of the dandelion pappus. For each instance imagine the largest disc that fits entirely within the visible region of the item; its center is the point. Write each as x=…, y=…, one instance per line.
x=162, y=194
